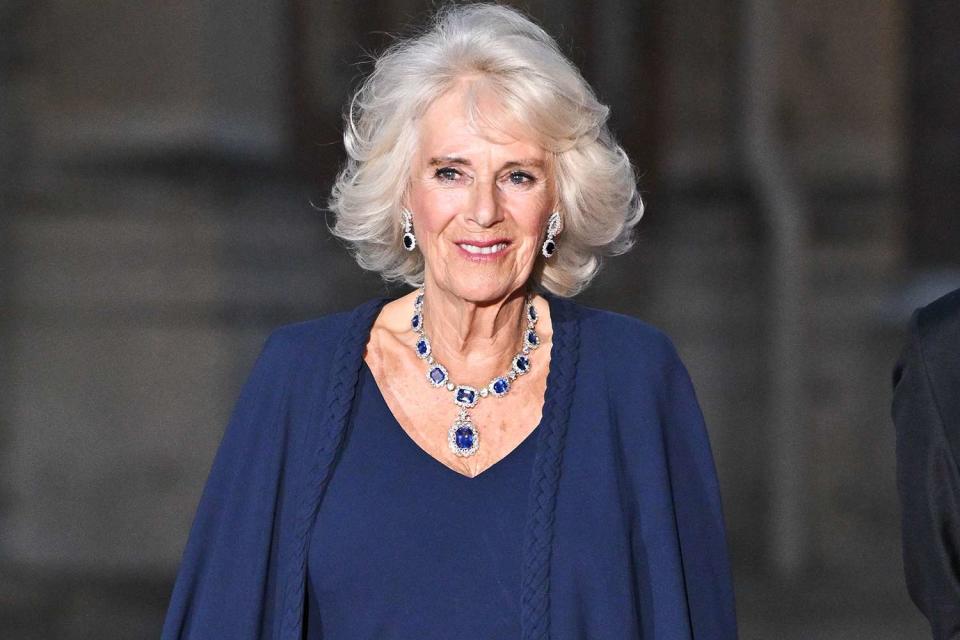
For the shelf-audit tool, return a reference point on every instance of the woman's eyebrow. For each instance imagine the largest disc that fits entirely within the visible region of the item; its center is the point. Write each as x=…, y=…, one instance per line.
x=523, y=162
x=449, y=160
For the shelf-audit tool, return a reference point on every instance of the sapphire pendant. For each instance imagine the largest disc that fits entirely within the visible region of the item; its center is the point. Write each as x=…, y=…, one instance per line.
x=463, y=438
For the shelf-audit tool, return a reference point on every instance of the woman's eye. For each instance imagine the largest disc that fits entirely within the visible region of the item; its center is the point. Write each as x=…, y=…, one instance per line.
x=447, y=174
x=519, y=177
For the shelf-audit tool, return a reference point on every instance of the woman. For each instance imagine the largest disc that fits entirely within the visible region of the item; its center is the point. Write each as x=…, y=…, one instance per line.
x=479, y=458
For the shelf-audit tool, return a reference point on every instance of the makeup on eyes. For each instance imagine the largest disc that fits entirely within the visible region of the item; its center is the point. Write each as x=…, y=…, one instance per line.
x=517, y=178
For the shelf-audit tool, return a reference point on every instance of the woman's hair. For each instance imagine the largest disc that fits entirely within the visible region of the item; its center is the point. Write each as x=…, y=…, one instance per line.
x=503, y=54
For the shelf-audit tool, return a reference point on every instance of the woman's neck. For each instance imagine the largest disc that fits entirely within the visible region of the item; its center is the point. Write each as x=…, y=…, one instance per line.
x=473, y=340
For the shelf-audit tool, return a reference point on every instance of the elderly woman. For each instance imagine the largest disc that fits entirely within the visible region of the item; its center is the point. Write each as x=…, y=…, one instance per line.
x=482, y=457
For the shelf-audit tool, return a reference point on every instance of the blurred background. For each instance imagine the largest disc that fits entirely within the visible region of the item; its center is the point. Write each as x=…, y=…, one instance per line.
x=159, y=163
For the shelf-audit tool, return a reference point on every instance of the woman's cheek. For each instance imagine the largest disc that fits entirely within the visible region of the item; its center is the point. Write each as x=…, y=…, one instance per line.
x=440, y=208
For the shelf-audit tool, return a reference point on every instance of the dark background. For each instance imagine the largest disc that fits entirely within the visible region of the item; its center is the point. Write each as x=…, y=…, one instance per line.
x=158, y=162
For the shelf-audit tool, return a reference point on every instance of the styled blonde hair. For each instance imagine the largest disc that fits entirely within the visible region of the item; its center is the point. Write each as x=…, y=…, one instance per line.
x=535, y=86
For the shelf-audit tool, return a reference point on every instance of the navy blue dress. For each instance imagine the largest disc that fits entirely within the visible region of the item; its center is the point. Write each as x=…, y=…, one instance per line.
x=608, y=516
x=405, y=547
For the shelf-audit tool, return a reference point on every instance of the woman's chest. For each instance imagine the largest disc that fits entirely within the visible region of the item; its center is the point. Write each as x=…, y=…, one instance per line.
x=426, y=413
x=415, y=541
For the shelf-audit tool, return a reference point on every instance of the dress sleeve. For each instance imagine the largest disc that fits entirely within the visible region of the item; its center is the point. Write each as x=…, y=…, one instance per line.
x=929, y=488
x=699, y=516
x=226, y=581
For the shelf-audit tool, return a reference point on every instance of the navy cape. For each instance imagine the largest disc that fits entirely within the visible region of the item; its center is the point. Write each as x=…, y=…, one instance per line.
x=624, y=536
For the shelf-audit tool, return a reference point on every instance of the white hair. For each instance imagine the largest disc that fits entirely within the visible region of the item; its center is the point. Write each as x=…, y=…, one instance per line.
x=535, y=86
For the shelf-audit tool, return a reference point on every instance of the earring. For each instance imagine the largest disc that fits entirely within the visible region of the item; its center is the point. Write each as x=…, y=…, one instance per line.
x=409, y=240
x=554, y=226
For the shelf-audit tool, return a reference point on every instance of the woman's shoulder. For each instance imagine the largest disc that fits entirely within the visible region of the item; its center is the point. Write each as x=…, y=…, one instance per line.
x=318, y=338
x=326, y=330
x=623, y=338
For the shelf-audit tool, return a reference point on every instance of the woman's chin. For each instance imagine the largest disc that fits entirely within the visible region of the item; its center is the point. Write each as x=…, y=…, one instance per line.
x=481, y=291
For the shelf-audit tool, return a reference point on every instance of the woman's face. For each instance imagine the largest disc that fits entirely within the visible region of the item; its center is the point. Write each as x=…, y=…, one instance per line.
x=480, y=201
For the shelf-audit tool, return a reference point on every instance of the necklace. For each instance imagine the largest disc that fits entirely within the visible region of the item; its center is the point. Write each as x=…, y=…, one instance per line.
x=463, y=437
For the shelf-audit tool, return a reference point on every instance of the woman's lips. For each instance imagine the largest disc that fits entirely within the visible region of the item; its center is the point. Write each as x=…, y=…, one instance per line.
x=483, y=251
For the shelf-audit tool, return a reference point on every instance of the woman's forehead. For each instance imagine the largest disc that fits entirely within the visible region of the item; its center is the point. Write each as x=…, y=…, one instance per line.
x=458, y=122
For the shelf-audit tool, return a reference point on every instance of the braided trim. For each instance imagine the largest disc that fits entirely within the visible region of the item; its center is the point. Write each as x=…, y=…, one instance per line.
x=344, y=374
x=535, y=581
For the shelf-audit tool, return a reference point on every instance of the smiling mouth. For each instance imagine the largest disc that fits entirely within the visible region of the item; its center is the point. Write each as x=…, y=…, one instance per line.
x=483, y=250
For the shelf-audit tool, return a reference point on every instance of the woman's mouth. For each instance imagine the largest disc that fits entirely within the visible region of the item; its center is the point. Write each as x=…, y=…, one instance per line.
x=483, y=250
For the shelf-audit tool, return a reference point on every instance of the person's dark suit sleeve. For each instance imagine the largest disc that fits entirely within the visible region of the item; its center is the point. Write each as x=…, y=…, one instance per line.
x=929, y=485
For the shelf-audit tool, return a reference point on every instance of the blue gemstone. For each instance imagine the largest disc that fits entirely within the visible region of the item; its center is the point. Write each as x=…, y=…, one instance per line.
x=532, y=338
x=419, y=300
x=466, y=396
x=532, y=313
x=422, y=347
x=464, y=437
x=523, y=363
x=501, y=386
x=437, y=375
x=415, y=321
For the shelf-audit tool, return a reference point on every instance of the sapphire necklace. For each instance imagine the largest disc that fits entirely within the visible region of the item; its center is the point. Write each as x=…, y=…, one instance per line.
x=463, y=436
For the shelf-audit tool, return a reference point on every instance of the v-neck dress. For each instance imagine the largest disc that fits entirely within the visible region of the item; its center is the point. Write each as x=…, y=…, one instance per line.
x=607, y=517
x=405, y=547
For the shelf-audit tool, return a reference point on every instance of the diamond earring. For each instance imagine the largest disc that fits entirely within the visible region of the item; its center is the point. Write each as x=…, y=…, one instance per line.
x=409, y=240
x=554, y=226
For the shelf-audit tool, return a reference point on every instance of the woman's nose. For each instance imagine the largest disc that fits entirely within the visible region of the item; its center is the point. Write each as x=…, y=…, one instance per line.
x=485, y=207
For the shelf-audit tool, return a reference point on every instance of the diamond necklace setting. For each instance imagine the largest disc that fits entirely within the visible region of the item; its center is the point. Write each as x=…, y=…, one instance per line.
x=463, y=437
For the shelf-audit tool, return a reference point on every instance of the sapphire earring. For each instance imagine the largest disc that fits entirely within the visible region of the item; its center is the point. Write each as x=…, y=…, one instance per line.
x=554, y=226
x=409, y=240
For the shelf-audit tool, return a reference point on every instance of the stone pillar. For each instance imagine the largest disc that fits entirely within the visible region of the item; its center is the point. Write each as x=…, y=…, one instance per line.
x=934, y=134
